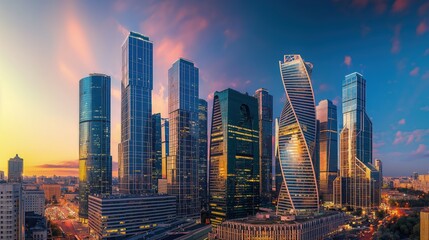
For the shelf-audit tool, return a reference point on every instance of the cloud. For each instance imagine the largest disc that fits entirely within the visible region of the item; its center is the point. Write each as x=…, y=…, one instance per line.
x=378, y=144
x=425, y=75
x=348, y=60
x=360, y=3
x=415, y=71
x=423, y=9
x=410, y=137
x=159, y=98
x=336, y=100
x=122, y=29
x=422, y=28
x=396, y=44
x=402, y=121
x=400, y=5
x=421, y=149
x=425, y=108
x=63, y=164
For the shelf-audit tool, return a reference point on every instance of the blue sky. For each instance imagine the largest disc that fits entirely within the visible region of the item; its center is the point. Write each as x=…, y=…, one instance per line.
x=49, y=45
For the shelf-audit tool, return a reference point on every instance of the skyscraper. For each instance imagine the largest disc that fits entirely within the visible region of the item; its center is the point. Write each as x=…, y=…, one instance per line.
x=95, y=161
x=15, y=169
x=326, y=113
x=12, y=222
x=156, y=150
x=265, y=118
x=182, y=163
x=202, y=165
x=358, y=185
x=135, y=149
x=297, y=135
x=165, y=146
x=234, y=156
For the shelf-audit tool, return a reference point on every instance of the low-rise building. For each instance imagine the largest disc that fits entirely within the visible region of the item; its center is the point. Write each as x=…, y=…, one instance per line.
x=52, y=191
x=34, y=201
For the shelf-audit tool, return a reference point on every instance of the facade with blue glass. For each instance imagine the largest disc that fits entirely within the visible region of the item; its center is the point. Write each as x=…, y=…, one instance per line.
x=297, y=140
x=95, y=162
x=156, y=151
x=326, y=113
x=135, y=148
x=234, y=157
x=358, y=185
x=202, y=165
x=183, y=159
x=165, y=140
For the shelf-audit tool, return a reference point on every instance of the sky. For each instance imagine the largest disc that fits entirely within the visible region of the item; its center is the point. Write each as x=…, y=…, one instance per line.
x=48, y=46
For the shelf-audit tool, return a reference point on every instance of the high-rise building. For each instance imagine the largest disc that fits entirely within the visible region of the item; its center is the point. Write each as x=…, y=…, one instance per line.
x=278, y=179
x=124, y=216
x=135, y=149
x=1, y=175
x=358, y=185
x=15, y=169
x=165, y=132
x=34, y=201
x=379, y=166
x=183, y=159
x=326, y=113
x=156, y=151
x=265, y=116
x=12, y=224
x=95, y=161
x=234, y=156
x=202, y=165
x=424, y=224
x=297, y=140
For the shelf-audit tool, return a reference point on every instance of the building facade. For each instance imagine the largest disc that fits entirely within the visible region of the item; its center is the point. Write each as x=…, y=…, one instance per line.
x=34, y=201
x=297, y=140
x=135, y=149
x=234, y=157
x=124, y=216
x=15, y=169
x=52, y=192
x=202, y=165
x=183, y=159
x=326, y=113
x=95, y=161
x=165, y=139
x=156, y=151
x=424, y=224
x=265, y=116
x=358, y=185
x=12, y=224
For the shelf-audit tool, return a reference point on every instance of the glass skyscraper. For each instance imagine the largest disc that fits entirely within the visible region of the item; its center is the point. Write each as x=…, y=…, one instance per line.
x=234, y=157
x=297, y=140
x=326, y=113
x=183, y=159
x=95, y=161
x=135, y=149
x=202, y=165
x=156, y=151
x=358, y=185
x=15, y=169
x=165, y=146
x=265, y=118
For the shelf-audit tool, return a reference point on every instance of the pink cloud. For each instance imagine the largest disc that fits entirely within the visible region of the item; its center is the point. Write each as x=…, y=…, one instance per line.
x=396, y=44
x=415, y=71
x=423, y=9
x=421, y=149
x=402, y=121
x=122, y=29
x=422, y=28
x=336, y=100
x=398, y=138
x=410, y=137
x=400, y=5
x=426, y=75
x=348, y=60
x=380, y=6
x=360, y=3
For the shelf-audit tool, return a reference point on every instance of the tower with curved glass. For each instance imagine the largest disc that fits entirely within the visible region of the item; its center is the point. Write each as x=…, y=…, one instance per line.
x=297, y=139
x=95, y=162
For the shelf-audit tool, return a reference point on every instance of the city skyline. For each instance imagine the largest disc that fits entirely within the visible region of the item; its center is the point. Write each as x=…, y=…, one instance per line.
x=400, y=131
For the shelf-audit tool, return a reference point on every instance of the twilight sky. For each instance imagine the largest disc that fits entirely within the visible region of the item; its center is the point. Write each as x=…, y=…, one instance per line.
x=48, y=46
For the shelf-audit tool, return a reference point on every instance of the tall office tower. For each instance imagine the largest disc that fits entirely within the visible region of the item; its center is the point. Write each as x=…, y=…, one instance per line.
x=135, y=149
x=265, y=118
x=326, y=113
x=358, y=185
x=278, y=179
x=182, y=163
x=379, y=166
x=95, y=162
x=234, y=156
x=165, y=131
x=12, y=224
x=15, y=169
x=202, y=165
x=156, y=151
x=297, y=140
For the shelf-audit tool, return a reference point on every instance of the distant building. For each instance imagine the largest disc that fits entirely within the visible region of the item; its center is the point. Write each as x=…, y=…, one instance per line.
x=177, y=230
x=183, y=159
x=202, y=165
x=34, y=201
x=1, y=175
x=11, y=211
x=15, y=169
x=359, y=183
x=156, y=150
x=95, y=161
x=124, y=216
x=265, y=118
x=52, y=192
x=265, y=226
x=424, y=224
x=326, y=113
x=234, y=156
x=35, y=227
x=162, y=186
